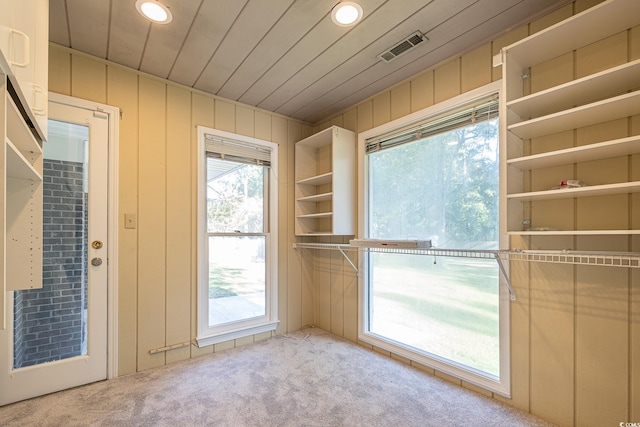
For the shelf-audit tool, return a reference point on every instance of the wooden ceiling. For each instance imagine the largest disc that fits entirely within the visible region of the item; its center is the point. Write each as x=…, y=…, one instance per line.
x=285, y=56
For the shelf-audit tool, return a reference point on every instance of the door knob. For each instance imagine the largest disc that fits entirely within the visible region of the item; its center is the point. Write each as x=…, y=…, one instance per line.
x=96, y=262
x=96, y=244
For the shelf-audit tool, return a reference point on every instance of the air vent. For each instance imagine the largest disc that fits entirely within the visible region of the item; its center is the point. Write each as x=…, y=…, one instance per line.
x=403, y=47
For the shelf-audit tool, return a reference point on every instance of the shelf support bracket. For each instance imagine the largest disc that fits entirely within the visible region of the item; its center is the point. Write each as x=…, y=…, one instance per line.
x=512, y=294
x=348, y=260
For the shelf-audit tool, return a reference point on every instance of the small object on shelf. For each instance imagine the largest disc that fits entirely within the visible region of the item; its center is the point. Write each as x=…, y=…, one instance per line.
x=401, y=244
x=568, y=183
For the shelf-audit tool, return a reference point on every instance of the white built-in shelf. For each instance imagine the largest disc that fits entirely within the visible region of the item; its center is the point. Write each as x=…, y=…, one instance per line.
x=321, y=179
x=588, y=89
x=568, y=193
x=19, y=134
x=18, y=166
x=316, y=198
x=599, y=22
x=325, y=193
x=316, y=215
x=605, y=95
x=596, y=112
x=584, y=153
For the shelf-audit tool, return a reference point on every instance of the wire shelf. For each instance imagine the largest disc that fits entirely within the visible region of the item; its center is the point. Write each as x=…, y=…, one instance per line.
x=595, y=258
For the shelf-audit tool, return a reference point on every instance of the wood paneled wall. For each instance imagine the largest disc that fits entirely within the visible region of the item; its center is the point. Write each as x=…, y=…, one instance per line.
x=158, y=183
x=575, y=331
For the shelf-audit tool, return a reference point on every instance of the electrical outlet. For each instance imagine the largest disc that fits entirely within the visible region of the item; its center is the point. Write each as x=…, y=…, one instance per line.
x=130, y=220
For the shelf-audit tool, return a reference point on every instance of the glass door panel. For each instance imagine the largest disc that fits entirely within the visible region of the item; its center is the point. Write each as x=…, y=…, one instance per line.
x=50, y=323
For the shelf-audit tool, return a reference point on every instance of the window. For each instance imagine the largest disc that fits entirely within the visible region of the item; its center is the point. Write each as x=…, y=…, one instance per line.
x=237, y=247
x=434, y=176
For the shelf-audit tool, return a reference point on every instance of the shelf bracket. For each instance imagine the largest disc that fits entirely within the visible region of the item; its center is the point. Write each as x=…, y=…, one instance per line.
x=507, y=280
x=329, y=246
x=348, y=260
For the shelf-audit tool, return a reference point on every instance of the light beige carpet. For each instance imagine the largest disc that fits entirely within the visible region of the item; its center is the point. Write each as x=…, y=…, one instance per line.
x=308, y=378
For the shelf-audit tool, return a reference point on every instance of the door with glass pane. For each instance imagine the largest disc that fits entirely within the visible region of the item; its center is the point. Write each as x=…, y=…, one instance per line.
x=56, y=336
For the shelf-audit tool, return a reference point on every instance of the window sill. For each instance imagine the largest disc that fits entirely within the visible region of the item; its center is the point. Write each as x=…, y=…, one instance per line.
x=236, y=333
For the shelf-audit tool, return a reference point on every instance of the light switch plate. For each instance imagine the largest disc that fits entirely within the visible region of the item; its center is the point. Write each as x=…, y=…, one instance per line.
x=130, y=220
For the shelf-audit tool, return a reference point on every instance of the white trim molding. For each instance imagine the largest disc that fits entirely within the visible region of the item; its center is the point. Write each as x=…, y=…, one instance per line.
x=113, y=114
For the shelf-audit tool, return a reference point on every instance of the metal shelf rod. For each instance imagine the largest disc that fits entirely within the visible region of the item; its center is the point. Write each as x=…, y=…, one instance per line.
x=595, y=258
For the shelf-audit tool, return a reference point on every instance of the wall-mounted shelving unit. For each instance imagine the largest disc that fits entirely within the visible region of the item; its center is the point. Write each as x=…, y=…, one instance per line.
x=21, y=186
x=593, y=258
x=325, y=192
x=597, y=98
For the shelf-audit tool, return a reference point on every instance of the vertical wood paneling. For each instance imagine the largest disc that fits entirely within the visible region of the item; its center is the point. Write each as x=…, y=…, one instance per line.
x=446, y=81
x=152, y=216
x=337, y=290
x=476, y=68
x=245, y=121
x=322, y=286
x=60, y=67
x=552, y=329
x=350, y=120
x=551, y=19
x=225, y=116
x=381, y=109
x=279, y=136
x=365, y=116
x=520, y=334
x=602, y=337
x=634, y=345
x=634, y=43
x=88, y=79
x=350, y=321
x=179, y=214
x=202, y=114
x=157, y=278
x=263, y=128
x=401, y=100
x=296, y=282
x=422, y=91
x=601, y=55
x=121, y=86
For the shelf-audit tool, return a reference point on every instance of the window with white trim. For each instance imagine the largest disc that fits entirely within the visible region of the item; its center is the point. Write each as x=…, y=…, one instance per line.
x=435, y=176
x=237, y=236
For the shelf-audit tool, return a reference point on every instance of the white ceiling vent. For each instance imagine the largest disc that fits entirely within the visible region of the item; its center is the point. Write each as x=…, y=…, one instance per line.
x=403, y=47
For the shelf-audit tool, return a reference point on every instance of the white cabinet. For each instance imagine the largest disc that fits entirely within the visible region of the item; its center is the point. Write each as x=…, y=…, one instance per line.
x=24, y=57
x=325, y=192
x=24, y=45
x=611, y=94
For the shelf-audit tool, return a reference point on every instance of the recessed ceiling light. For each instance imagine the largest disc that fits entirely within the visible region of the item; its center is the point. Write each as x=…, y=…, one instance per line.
x=346, y=13
x=154, y=11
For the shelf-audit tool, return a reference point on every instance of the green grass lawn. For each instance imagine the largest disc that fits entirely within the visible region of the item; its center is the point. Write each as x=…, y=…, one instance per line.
x=449, y=309
x=233, y=280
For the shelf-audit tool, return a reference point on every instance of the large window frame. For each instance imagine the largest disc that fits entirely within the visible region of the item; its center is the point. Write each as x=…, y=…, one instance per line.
x=206, y=334
x=502, y=384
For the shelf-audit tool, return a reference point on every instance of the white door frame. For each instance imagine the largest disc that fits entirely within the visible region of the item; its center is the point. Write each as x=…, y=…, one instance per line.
x=113, y=114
